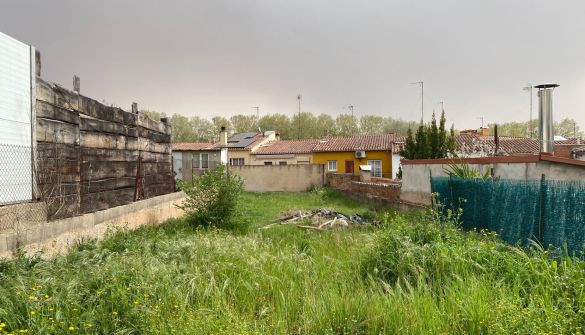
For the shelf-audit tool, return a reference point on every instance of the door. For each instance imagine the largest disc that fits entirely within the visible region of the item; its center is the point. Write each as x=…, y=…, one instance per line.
x=349, y=166
x=376, y=168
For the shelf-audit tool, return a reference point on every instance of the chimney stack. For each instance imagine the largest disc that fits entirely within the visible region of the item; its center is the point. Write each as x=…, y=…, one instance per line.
x=223, y=137
x=545, y=117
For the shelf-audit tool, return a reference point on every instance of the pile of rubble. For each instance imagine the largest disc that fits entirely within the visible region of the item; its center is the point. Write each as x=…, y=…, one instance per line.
x=319, y=219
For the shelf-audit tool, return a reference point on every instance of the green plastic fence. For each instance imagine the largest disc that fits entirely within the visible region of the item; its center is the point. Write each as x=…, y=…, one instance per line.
x=547, y=211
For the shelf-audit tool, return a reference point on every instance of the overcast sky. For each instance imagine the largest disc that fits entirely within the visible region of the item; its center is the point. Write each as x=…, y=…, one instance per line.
x=221, y=57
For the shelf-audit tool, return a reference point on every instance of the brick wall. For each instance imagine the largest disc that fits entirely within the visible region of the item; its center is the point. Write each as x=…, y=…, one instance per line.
x=351, y=185
x=341, y=181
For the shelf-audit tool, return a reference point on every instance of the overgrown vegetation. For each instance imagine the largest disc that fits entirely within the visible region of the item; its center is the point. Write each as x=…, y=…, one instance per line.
x=416, y=274
x=212, y=199
x=465, y=171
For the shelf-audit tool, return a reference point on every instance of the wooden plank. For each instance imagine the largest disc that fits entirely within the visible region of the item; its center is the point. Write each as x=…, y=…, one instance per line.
x=157, y=189
x=145, y=144
x=109, y=184
x=100, y=111
x=63, y=151
x=57, y=131
x=62, y=207
x=106, y=141
x=48, y=111
x=98, y=170
x=51, y=190
x=92, y=202
x=100, y=154
x=148, y=123
x=153, y=135
x=159, y=178
x=102, y=126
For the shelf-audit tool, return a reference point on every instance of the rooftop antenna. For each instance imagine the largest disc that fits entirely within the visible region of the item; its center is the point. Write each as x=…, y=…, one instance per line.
x=299, y=99
x=528, y=88
x=422, y=98
x=481, y=118
x=350, y=107
x=442, y=106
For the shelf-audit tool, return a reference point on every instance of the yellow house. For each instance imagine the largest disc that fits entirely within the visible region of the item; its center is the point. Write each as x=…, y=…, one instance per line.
x=347, y=154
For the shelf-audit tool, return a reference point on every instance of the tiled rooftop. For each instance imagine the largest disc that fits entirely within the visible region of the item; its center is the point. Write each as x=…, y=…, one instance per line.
x=287, y=147
x=353, y=143
x=192, y=146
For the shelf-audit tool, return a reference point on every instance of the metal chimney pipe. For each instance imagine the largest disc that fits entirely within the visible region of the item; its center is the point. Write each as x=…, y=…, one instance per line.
x=545, y=117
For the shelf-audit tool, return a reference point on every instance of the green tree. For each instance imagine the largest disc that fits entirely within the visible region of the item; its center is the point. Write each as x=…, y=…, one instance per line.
x=567, y=128
x=244, y=123
x=429, y=141
x=371, y=124
x=220, y=121
x=326, y=125
x=181, y=130
x=203, y=129
x=279, y=123
x=346, y=125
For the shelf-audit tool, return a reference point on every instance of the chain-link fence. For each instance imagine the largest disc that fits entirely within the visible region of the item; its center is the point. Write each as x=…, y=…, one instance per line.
x=17, y=208
x=547, y=211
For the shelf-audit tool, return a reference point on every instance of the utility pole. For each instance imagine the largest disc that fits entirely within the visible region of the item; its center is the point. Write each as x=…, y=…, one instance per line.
x=422, y=99
x=528, y=88
x=299, y=133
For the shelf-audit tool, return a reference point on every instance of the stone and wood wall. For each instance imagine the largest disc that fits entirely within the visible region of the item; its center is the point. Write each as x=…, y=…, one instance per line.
x=92, y=157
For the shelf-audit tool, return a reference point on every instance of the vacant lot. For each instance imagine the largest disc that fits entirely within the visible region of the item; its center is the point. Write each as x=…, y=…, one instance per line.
x=417, y=273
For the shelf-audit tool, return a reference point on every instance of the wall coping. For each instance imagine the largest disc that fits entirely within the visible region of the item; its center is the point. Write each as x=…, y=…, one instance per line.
x=496, y=159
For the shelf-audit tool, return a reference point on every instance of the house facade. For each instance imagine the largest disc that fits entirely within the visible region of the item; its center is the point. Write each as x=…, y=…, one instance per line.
x=347, y=154
x=284, y=153
x=191, y=160
x=241, y=146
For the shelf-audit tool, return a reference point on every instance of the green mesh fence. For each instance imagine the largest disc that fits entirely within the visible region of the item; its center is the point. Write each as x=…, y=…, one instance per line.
x=547, y=211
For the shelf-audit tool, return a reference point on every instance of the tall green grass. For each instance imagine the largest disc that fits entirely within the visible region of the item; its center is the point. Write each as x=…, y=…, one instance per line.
x=412, y=275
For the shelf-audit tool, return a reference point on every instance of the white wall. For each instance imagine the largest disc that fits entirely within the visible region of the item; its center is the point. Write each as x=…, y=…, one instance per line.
x=15, y=121
x=416, y=185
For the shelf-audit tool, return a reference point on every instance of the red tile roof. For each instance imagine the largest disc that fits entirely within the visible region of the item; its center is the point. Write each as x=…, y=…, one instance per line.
x=194, y=146
x=287, y=147
x=353, y=143
x=471, y=144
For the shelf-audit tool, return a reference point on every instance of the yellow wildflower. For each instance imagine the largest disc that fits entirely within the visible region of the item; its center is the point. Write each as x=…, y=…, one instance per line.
x=71, y=328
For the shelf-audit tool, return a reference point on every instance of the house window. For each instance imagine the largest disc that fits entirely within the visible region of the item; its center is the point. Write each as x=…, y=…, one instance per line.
x=236, y=161
x=204, y=158
x=282, y=163
x=267, y=163
x=376, y=168
x=332, y=166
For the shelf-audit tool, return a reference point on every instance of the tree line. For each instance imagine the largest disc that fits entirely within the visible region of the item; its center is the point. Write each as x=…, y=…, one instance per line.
x=303, y=126
x=565, y=127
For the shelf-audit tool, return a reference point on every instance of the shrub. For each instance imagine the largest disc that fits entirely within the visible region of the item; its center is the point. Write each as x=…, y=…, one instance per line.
x=212, y=199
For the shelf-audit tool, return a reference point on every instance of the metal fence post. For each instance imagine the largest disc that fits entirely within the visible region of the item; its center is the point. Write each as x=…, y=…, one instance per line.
x=541, y=221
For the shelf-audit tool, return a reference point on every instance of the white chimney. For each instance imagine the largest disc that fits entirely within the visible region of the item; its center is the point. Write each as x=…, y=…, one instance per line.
x=223, y=137
x=545, y=115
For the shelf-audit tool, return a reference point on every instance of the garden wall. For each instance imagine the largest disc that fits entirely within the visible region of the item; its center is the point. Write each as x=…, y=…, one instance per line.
x=351, y=185
x=56, y=236
x=416, y=174
x=280, y=178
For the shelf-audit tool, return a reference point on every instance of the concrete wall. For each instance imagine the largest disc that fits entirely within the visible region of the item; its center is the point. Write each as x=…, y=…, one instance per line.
x=416, y=185
x=276, y=159
x=280, y=178
x=57, y=236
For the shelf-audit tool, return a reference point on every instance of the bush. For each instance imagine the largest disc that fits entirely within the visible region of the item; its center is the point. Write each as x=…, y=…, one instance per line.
x=213, y=198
